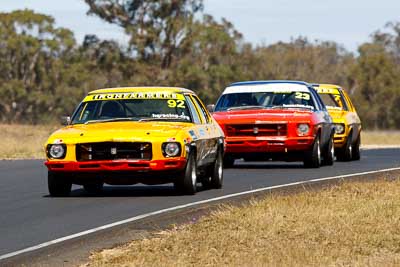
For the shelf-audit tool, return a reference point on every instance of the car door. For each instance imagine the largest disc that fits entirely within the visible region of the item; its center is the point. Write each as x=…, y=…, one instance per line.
x=352, y=116
x=212, y=133
x=199, y=132
x=324, y=117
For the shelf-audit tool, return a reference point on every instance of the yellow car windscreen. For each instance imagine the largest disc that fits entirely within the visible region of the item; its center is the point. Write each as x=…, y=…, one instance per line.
x=134, y=106
x=332, y=98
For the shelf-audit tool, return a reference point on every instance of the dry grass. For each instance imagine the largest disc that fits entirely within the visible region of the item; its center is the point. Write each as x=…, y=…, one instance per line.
x=23, y=141
x=380, y=137
x=355, y=224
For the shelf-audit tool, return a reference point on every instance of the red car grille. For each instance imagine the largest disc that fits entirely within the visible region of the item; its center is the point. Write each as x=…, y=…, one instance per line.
x=113, y=151
x=256, y=129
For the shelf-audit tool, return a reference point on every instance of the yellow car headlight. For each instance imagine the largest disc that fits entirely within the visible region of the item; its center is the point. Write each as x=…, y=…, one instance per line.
x=56, y=151
x=171, y=149
x=339, y=128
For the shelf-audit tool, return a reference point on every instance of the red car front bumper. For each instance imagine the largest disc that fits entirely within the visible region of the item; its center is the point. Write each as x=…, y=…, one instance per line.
x=268, y=145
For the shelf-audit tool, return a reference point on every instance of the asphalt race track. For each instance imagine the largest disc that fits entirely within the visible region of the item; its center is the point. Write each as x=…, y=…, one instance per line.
x=28, y=216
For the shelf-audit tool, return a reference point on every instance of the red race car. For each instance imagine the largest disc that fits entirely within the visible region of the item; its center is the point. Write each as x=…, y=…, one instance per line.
x=275, y=120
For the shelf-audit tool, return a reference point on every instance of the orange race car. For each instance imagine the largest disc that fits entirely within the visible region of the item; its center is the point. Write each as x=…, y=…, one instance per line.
x=347, y=123
x=275, y=120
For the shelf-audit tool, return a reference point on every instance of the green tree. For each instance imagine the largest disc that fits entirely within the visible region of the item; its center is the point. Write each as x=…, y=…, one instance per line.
x=300, y=59
x=208, y=62
x=157, y=28
x=375, y=86
x=32, y=53
x=105, y=59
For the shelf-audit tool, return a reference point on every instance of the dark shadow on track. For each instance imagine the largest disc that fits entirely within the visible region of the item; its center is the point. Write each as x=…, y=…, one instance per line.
x=128, y=191
x=267, y=165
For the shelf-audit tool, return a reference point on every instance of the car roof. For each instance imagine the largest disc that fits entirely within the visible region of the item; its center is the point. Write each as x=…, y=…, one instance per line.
x=268, y=82
x=263, y=86
x=141, y=89
x=326, y=85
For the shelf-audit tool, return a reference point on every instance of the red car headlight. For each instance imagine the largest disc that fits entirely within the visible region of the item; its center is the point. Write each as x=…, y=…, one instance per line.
x=303, y=129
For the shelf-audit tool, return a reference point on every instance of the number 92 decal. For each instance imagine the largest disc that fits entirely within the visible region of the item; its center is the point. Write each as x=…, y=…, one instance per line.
x=176, y=103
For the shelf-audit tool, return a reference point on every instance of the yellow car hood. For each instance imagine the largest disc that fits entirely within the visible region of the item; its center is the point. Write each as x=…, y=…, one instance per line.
x=337, y=114
x=117, y=132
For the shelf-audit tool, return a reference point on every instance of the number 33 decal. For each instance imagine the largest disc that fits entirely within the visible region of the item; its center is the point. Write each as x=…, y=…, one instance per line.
x=176, y=103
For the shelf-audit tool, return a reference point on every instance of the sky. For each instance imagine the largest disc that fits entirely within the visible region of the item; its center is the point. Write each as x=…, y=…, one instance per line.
x=347, y=22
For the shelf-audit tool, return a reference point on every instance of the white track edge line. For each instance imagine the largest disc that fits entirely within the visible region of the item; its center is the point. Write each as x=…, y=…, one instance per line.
x=142, y=216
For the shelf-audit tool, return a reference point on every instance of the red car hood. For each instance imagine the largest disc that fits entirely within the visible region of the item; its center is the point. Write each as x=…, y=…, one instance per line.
x=260, y=116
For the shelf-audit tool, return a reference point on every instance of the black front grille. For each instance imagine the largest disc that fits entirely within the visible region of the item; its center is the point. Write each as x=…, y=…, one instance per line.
x=113, y=150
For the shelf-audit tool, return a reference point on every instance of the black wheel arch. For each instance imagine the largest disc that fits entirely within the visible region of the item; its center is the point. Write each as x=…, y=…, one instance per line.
x=355, y=130
x=191, y=148
x=221, y=145
x=319, y=134
x=351, y=131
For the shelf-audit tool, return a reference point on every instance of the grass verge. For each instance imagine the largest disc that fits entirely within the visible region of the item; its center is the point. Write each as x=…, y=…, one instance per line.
x=380, y=138
x=23, y=141
x=354, y=224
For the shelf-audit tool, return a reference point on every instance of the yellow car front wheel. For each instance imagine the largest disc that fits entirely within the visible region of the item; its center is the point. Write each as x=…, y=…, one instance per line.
x=59, y=184
x=187, y=180
x=356, y=149
x=346, y=153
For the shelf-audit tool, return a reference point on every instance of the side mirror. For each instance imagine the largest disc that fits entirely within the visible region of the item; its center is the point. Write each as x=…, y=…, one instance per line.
x=65, y=120
x=211, y=108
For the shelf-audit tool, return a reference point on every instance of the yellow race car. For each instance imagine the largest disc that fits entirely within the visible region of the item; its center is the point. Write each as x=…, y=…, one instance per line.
x=149, y=135
x=347, y=137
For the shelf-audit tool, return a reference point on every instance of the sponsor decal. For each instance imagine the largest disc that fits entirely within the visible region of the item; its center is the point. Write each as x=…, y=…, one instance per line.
x=171, y=116
x=193, y=135
x=332, y=107
x=332, y=91
x=297, y=106
x=134, y=95
x=202, y=132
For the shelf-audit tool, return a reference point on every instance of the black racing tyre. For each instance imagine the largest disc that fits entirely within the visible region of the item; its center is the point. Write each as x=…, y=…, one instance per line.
x=59, y=185
x=228, y=161
x=329, y=154
x=187, y=180
x=356, y=149
x=346, y=153
x=313, y=157
x=94, y=188
x=216, y=173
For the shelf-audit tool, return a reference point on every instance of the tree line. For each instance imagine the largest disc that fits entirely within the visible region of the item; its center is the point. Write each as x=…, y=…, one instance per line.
x=44, y=72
